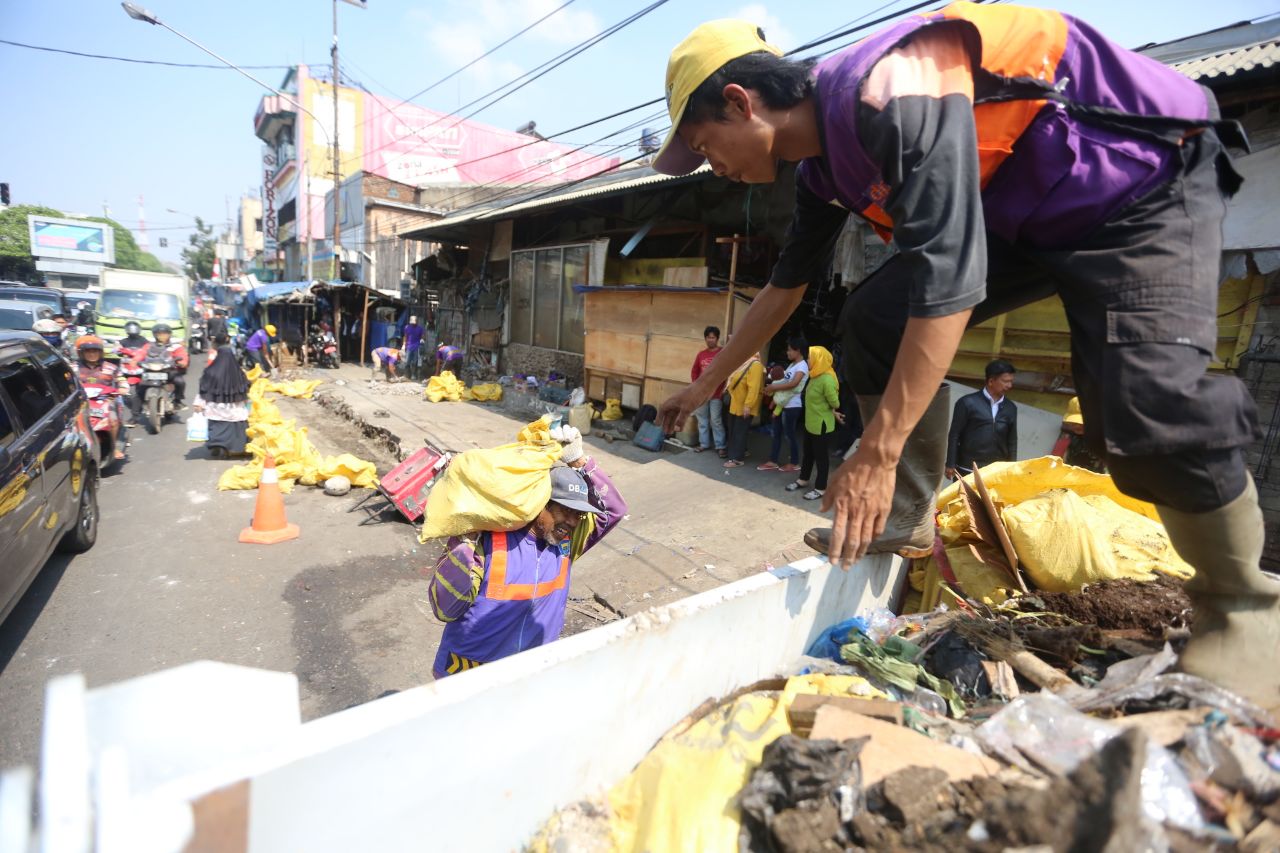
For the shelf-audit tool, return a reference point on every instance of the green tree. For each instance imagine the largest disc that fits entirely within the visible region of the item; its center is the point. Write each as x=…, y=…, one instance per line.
x=16, y=262
x=197, y=258
x=128, y=255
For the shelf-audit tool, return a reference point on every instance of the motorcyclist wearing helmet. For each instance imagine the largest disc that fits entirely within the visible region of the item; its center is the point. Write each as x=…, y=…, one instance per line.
x=164, y=345
x=50, y=331
x=131, y=348
x=133, y=338
x=96, y=370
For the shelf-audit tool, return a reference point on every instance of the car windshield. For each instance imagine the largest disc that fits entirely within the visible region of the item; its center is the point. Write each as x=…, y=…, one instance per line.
x=16, y=318
x=140, y=303
x=34, y=294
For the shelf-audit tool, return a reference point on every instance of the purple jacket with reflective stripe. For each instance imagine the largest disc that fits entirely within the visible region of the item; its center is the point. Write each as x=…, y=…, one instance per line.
x=1065, y=176
x=493, y=626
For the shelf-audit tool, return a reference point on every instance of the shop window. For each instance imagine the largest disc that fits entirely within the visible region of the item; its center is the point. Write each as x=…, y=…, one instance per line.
x=545, y=309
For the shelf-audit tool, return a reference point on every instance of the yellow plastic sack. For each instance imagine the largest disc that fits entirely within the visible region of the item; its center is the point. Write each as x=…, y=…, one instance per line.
x=300, y=388
x=979, y=582
x=496, y=488
x=446, y=386
x=487, y=391
x=1065, y=541
x=1013, y=482
x=682, y=795
x=297, y=460
x=612, y=410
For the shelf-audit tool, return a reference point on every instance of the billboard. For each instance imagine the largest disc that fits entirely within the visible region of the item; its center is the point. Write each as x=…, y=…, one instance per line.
x=71, y=239
x=421, y=147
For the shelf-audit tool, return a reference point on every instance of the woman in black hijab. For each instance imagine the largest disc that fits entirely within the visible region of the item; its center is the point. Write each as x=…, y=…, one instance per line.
x=224, y=400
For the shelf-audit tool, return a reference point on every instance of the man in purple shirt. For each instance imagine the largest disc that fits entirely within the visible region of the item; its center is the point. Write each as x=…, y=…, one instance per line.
x=504, y=592
x=1011, y=154
x=413, y=348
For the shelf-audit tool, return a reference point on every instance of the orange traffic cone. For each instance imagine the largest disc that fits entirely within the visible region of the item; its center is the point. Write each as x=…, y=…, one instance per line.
x=269, y=524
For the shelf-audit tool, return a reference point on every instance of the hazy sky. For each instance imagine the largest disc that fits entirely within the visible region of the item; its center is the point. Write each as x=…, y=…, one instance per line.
x=83, y=132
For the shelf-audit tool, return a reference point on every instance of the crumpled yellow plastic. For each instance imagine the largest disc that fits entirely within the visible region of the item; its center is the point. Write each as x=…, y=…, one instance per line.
x=297, y=460
x=612, y=410
x=487, y=391
x=1069, y=527
x=495, y=488
x=1065, y=540
x=446, y=387
x=682, y=795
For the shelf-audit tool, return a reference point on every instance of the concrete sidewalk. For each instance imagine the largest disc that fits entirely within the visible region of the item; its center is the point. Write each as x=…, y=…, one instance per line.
x=693, y=525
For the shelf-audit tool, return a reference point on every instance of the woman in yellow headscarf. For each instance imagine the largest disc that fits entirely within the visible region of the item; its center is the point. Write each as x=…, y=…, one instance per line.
x=821, y=414
x=744, y=386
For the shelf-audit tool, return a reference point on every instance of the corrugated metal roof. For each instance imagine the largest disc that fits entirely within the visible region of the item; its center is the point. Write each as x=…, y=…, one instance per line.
x=604, y=185
x=1263, y=55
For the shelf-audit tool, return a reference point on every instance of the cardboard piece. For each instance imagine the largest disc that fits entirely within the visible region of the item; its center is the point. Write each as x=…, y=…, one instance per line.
x=804, y=710
x=894, y=747
x=1164, y=727
x=1000, y=676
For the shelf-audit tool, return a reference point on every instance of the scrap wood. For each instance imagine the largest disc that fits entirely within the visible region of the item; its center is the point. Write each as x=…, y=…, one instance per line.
x=1010, y=650
x=892, y=747
x=804, y=710
x=1164, y=727
x=994, y=547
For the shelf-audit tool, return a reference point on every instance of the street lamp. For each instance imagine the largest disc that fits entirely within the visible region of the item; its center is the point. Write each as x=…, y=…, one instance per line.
x=138, y=13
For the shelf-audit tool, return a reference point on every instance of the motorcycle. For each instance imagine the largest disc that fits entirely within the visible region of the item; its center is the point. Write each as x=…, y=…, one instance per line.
x=158, y=399
x=198, y=337
x=131, y=367
x=104, y=418
x=323, y=349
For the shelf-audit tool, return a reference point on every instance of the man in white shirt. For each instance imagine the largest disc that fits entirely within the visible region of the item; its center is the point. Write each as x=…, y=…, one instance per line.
x=984, y=425
x=788, y=406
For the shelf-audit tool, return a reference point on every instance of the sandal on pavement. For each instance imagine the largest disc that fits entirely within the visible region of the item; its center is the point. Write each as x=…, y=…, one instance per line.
x=724, y=454
x=734, y=463
x=700, y=449
x=768, y=466
x=796, y=486
x=813, y=494
x=790, y=468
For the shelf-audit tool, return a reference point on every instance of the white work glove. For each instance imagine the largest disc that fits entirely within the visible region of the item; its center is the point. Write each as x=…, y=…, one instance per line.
x=571, y=438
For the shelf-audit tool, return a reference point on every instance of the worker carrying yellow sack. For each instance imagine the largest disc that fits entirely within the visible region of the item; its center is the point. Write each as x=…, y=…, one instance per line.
x=520, y=515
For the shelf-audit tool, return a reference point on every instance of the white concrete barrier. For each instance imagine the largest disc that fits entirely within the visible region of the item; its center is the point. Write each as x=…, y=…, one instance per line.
x=480, y=760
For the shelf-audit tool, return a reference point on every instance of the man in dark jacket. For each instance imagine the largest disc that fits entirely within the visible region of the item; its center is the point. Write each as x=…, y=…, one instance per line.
x=984, y=426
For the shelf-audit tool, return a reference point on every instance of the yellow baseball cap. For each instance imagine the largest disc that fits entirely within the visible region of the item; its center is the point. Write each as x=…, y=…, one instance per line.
x=1073, y=415
x=700, y=55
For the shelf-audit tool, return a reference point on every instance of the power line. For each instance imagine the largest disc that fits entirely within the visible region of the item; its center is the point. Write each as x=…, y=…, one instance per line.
x=482, y=56
x=138, y=61
x=540, y=70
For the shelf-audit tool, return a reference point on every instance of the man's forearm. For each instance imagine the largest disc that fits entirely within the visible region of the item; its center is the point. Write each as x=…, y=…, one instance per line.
x=763, y=319
x=928, y=346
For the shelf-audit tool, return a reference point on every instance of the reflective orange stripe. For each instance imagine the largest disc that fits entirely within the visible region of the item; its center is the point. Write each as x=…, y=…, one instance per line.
x=500, y=590
x=1016, y=42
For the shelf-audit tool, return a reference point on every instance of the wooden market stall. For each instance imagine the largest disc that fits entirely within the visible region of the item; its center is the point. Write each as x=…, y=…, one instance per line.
x=641, y=340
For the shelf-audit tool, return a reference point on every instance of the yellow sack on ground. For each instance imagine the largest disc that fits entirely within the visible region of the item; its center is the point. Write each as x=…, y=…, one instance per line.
x=487, y=391
x=446, y=386
x=300, y=388
x=612, y=410
x=254, y=373
x=496, y=488
x=1065, y=540
x=682, y=795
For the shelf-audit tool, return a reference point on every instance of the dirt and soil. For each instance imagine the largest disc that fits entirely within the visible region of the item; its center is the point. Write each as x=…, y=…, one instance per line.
x=1097, y=807
x=1152, y=607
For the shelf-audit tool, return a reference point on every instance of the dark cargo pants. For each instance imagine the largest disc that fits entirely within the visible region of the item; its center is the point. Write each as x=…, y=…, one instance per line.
x=1140, y=295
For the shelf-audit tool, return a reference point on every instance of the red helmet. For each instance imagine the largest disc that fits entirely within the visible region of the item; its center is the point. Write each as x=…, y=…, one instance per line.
x=90, y=342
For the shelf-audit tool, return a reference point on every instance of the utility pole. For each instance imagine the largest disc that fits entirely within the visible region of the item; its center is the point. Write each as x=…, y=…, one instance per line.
x=337, y=160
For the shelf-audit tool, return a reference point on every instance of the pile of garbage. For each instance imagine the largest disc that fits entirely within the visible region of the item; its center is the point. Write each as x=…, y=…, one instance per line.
x=296, y=459
x=1026, y=699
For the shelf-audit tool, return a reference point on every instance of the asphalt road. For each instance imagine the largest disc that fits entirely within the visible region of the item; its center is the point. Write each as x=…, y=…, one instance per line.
x=344, y=607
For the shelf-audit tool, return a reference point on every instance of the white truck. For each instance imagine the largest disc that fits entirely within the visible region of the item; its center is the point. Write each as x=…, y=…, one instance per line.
x=148, y=298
